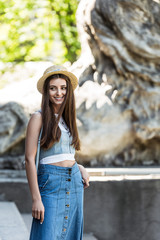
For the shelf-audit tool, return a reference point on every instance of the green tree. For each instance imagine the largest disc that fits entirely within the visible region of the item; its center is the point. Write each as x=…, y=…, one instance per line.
x=29, y=29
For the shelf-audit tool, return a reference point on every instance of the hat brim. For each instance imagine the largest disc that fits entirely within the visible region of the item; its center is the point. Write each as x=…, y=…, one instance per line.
x=73, y=79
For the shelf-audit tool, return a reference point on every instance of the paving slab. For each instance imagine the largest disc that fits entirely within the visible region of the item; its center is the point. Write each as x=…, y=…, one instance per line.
x=12, y=226
x=89, y=236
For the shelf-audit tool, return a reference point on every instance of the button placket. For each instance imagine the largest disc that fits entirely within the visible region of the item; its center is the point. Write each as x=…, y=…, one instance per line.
x=68, y=179
x=67, y=201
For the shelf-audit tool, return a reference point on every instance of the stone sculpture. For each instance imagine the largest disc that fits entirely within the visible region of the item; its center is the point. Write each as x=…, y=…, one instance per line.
x=13, y=122
x=120, y=56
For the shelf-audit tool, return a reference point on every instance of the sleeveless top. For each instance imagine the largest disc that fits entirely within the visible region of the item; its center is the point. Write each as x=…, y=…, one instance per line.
x=61, y=150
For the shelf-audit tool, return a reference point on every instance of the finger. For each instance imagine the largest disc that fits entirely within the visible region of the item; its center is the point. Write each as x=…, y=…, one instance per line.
x=33, y=213
x=38, y=214
x=42, y=217
x=86, y=184
x=86, y=180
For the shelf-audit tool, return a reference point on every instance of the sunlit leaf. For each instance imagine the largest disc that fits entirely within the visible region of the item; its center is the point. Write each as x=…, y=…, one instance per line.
x=28, y=29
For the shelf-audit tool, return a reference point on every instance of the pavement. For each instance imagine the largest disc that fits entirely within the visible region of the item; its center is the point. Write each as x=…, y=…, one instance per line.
x=12, y=226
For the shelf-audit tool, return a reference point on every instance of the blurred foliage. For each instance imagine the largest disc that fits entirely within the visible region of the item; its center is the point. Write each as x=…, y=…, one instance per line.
x=29, y=29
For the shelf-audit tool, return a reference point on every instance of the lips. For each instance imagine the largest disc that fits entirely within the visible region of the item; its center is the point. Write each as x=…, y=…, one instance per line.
x=58, y=98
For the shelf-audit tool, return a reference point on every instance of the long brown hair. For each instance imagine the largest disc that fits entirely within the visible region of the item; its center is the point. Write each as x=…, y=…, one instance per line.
x=51, y=131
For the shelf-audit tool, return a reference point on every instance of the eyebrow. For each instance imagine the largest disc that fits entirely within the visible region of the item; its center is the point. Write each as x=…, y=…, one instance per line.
x=56, y=86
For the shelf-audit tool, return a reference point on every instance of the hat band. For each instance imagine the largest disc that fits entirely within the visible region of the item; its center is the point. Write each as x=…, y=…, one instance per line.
x=54, y=71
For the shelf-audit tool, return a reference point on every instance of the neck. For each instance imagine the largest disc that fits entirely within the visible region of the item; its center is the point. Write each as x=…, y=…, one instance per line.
x=56, y=109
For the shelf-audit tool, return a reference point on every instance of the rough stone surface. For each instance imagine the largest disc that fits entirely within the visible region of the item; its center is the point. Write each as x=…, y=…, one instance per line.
x=12, y=162
x=13, y=122
x=119, y=94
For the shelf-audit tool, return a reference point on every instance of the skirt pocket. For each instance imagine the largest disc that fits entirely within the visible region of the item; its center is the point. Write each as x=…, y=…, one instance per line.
x=49, y=183
x=79, y=180
x=43, y=179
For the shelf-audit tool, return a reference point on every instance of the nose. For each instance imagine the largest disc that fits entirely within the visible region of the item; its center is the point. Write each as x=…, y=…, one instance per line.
x=58, y=91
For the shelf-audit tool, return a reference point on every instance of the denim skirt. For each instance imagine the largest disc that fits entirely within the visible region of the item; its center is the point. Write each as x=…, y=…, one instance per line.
x=61, y=190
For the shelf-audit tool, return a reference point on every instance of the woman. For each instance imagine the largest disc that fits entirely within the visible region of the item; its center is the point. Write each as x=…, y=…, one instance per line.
x=57, y=193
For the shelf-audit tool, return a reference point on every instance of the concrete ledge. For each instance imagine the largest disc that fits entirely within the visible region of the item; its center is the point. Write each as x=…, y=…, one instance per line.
x=123, y=210
x=17, y=192
x=12, y=226
x=123, y=171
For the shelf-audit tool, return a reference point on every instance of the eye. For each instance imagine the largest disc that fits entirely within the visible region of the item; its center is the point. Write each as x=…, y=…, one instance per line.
x=52, y=88
x=64, y=88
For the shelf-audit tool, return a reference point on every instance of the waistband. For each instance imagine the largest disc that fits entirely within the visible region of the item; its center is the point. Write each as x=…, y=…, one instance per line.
x=48, y=168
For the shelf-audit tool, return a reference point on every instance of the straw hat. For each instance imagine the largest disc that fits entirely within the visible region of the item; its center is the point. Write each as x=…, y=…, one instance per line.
x=56, y=69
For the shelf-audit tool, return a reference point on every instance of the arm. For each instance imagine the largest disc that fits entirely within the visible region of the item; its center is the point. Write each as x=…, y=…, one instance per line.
x=85, y=175
x=32, y=135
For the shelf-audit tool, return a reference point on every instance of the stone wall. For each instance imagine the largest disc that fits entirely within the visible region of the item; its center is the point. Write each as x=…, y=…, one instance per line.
x=123, y=210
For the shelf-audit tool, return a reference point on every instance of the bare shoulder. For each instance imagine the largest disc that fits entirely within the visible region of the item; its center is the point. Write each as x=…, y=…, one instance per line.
x=37, y=116
x=35, y=121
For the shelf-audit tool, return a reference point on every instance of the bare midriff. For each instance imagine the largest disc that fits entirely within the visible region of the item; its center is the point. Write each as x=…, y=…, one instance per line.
x=65, y=163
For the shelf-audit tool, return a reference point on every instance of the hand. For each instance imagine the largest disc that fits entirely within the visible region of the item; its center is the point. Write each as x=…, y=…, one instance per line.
x=38, y=210
x=85, y=176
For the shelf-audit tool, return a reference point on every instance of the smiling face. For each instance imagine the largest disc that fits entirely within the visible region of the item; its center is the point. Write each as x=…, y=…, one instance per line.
x=57, y=92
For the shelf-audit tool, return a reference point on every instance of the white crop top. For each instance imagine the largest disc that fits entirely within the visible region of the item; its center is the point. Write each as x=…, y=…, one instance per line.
x=59, y=157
